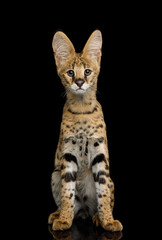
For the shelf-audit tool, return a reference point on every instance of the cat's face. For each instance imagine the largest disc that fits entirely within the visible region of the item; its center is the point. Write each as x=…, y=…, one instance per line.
x=78, y=72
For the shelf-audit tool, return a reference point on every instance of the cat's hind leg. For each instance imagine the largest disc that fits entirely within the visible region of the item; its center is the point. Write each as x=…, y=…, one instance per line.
x=56, y=191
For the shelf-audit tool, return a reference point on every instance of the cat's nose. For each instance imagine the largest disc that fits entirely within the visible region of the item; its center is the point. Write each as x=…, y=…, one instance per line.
x=79, y=82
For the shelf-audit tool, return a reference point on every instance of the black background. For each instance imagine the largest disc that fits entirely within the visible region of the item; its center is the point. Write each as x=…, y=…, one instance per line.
x=38, y=99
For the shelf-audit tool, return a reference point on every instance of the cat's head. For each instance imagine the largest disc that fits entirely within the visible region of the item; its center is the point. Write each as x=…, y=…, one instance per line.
x=78, y=71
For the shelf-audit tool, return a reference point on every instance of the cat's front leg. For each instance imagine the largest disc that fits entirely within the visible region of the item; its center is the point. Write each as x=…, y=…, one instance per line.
x=68, y=181
x=100, y=171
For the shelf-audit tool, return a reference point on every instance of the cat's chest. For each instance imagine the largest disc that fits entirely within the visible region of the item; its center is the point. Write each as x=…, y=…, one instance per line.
x=83, y=148
x=79, y=146
x=83, y=127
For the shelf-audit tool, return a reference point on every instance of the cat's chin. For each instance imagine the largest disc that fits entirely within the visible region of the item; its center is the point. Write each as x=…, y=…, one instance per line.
x=80, y=92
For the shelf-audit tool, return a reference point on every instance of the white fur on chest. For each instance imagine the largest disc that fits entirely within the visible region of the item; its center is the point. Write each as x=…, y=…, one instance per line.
x=84, y=149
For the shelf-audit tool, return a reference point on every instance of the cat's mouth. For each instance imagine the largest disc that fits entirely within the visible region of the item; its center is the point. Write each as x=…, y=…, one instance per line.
x=80, y=89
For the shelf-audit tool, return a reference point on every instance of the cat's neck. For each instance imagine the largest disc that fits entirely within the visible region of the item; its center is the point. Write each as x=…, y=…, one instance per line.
x=81, y=102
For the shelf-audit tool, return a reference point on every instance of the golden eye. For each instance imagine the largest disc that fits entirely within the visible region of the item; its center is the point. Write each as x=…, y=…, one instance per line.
x=87, y=72
x=70, y=73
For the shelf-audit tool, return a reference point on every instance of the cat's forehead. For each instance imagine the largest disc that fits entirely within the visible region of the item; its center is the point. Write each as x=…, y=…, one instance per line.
x=78, y=61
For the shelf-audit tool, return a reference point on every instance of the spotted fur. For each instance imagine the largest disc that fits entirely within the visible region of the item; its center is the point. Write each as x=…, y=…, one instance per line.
x=81, y=182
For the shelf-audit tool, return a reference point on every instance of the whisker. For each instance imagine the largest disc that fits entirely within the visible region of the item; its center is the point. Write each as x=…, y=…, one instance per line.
x=98, y=92
x=63, y=94
x=95, y=89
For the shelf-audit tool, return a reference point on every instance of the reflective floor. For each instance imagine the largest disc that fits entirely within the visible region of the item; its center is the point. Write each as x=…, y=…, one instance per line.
x=84, y=230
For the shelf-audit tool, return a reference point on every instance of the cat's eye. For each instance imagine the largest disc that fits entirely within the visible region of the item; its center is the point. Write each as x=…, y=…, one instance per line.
x=70, y=73
x=87, y=72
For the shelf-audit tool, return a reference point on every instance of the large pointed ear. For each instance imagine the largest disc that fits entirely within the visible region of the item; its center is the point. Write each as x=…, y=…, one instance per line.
x=92, y=49
x=62, y=47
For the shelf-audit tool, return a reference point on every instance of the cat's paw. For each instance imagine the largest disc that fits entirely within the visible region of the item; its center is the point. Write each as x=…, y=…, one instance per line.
x=61, y=224
x=113, y=226
x=53, y=216
x=96, y=220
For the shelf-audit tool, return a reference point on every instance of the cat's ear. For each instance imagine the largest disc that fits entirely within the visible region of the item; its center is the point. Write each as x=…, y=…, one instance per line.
x=62, y=47
x=93, y=46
